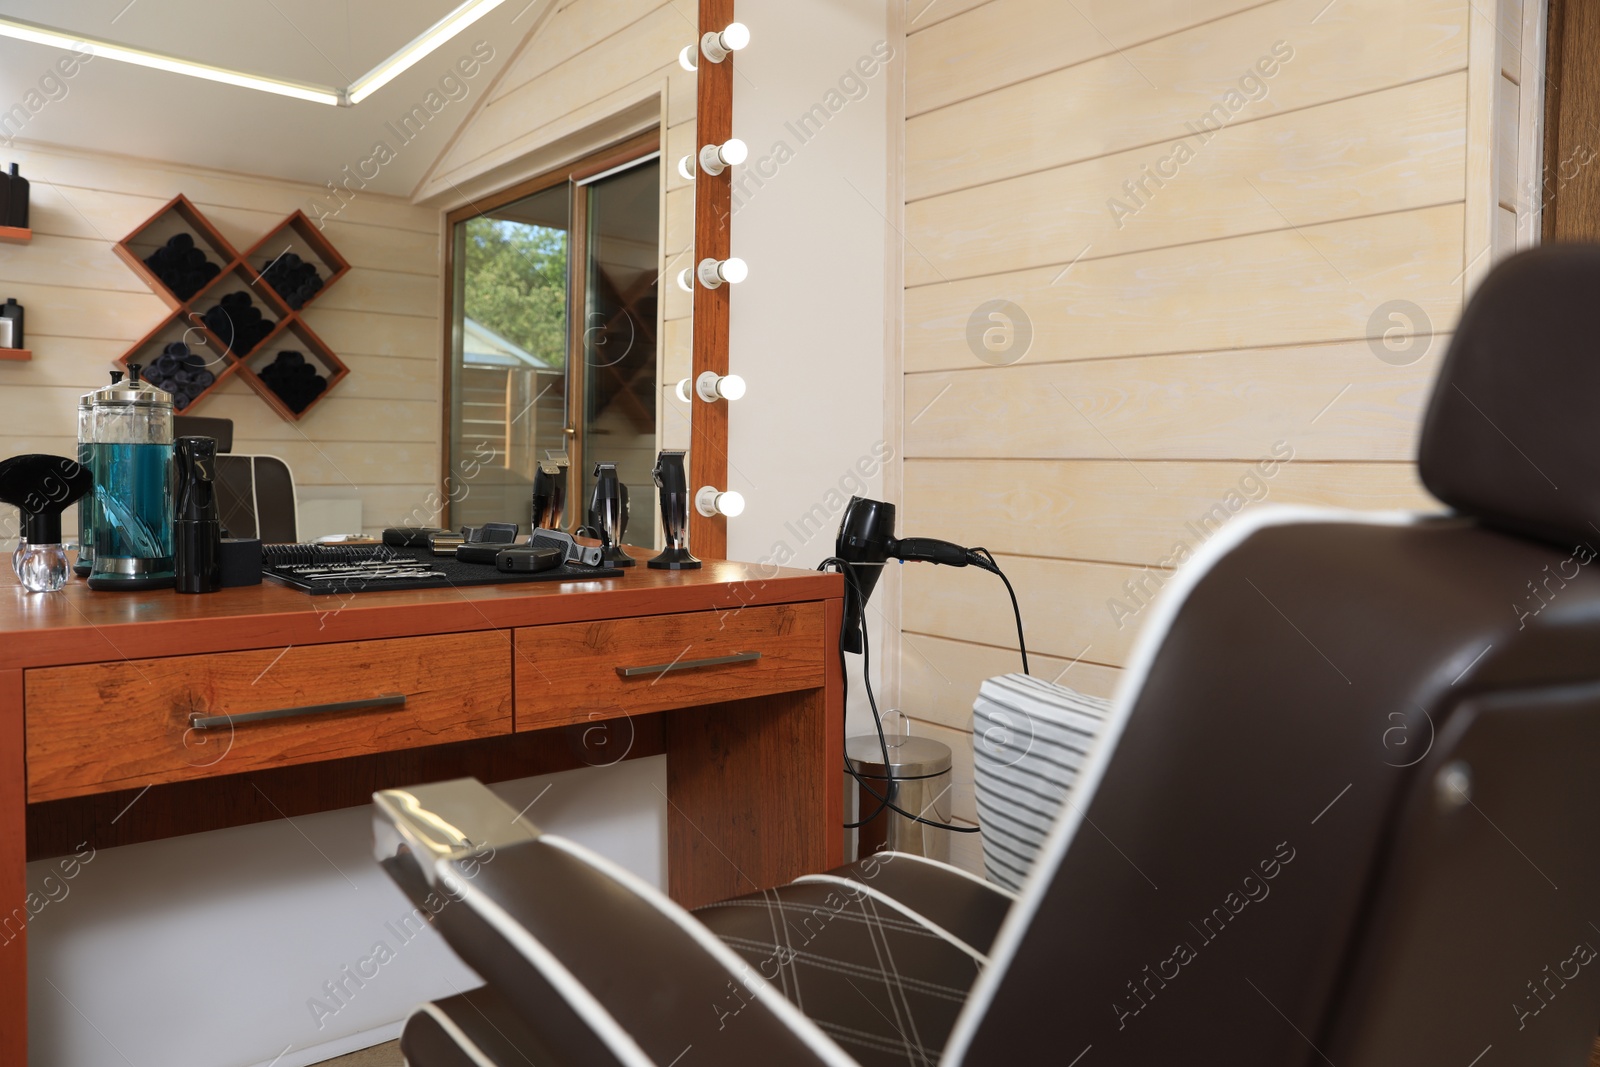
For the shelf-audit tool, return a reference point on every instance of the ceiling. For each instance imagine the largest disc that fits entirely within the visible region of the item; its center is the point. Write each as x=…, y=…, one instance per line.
x=120, y=108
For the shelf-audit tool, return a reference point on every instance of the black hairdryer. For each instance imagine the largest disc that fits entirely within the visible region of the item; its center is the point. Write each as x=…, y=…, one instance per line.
x=867, y=541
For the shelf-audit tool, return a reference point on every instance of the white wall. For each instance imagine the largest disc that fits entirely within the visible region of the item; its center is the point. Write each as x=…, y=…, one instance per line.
x=808, y=327
x=207, y=950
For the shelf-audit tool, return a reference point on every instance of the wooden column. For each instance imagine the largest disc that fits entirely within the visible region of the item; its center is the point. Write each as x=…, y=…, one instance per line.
x=713, y=217
x=1572, y=123
x=13, y=874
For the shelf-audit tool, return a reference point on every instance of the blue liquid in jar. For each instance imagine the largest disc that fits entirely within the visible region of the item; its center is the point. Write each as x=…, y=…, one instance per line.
x=133, y=504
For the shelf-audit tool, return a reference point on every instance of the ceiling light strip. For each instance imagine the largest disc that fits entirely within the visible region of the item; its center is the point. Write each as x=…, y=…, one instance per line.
x=36, y=34
x=431, y=38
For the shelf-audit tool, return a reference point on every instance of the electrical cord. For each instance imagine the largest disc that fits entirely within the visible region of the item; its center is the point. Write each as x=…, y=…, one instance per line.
x=877, y=720
x=994, y=568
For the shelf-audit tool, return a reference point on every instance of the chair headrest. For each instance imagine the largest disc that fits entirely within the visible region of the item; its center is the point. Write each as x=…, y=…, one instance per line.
x=1512, y=432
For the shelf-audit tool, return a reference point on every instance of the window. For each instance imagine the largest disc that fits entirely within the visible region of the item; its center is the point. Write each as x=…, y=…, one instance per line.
x=529, y=378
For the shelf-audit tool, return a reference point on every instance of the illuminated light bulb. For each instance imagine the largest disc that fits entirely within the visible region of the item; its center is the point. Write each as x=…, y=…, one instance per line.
x=718, y=46
x=714, y=159
x=686, y=168
x=685, y=279
x=713, y=272
x=711, y=502
x=683, y=390
x=712, y=386
x=686, y=58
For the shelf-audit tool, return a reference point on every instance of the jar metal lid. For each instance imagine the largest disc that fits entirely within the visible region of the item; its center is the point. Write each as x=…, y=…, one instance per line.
x=909, y=757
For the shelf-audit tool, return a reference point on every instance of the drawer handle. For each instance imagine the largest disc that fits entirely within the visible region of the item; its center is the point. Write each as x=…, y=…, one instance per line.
x=202, y=722
x=688, y=664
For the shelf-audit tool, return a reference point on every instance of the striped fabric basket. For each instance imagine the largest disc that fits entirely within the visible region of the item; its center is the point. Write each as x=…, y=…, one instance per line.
x=1029, y=739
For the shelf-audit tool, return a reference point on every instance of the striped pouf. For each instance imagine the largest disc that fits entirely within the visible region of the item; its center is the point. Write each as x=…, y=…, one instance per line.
x=1029, y=739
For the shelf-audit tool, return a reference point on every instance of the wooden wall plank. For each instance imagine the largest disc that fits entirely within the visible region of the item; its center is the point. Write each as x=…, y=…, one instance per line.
x=1116, y=511
x=1333, y=402
x=1399, y=149
x=1063, y=603
x=1299, y=286
x=1008, y=41
x=942, y=676
x=576, y=28
x=1154, y=89
x=582, y=85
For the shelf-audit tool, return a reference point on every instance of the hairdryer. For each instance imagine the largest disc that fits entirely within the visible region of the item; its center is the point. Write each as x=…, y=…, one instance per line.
x=866, y=542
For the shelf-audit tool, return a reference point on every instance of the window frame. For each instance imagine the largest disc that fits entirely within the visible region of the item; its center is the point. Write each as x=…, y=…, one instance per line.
x=577, y=174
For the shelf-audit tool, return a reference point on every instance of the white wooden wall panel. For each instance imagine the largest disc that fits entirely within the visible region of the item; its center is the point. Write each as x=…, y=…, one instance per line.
x=376, y=437
x=1243, y=301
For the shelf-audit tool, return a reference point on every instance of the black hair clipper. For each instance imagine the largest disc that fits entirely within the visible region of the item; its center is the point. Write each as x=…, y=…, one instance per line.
x=672, y=479
x=608, y=515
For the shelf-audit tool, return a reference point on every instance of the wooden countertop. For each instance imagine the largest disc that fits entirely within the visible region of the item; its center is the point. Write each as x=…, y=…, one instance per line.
x=80, y=625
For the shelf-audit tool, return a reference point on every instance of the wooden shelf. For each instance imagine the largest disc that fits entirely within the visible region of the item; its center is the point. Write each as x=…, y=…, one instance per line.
x=238, y=273
x=16, y=235
x=17, y=354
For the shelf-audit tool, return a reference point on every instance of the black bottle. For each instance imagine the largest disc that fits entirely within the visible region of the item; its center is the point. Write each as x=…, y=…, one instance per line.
x=196, y=531
x=13, y=311
x=16, y=201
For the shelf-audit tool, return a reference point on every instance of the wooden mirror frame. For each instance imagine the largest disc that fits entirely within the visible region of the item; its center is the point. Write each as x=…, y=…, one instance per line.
x=713, y=216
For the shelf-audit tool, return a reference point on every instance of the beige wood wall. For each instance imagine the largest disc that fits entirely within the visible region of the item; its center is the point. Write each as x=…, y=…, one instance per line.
x=374, y=437
x=1236, y=306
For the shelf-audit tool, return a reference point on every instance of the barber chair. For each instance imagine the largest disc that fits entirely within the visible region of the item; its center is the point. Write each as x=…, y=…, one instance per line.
x=1345, y=811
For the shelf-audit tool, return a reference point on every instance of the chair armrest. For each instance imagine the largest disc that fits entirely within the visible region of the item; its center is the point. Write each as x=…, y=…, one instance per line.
x=599, y=965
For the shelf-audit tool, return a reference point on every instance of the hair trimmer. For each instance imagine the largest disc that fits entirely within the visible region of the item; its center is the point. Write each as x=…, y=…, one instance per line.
x=672, y=478
x=549, y=494
x=608, y=515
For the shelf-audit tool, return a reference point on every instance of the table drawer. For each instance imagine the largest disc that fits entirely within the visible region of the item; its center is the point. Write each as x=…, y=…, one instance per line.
x=107, y=726
x=593, y=670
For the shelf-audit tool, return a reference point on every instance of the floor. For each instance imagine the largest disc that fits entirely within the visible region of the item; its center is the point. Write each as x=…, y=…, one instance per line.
x=387, y=1055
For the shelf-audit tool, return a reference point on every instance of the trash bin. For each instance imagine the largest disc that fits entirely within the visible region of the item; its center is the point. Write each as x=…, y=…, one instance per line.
x=922, y=779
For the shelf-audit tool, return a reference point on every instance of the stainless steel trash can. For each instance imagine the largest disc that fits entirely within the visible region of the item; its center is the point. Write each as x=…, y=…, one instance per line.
x=922, y=780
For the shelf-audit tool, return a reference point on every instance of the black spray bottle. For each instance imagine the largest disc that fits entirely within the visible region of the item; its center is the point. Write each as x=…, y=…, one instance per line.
x=196, y=530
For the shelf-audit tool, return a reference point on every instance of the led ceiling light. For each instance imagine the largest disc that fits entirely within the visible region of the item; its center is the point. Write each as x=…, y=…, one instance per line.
x=431, y=38
x=716, y=158
x=718, y=46
x=711, y=502
x=36, y=34
x=437, y=34
x=713, y=272
x=713, y=386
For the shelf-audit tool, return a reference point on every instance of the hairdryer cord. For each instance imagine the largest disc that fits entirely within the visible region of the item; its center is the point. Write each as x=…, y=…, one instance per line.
x=994, y=568
x=877, y=721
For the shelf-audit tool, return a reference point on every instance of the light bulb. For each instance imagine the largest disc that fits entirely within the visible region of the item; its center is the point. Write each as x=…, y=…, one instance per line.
x=686, y=58
x=712, y=387
x=713, y=272
x=685, y=281
x=683, y=390
x=686, y=168
x=711, y=502
x=717, y=46
x=714, y=159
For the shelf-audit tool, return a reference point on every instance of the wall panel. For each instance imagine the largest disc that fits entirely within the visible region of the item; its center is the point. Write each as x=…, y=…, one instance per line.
x=1147, y=244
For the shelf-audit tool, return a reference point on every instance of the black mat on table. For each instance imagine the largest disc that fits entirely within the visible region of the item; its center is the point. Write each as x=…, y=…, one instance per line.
x=277, y=559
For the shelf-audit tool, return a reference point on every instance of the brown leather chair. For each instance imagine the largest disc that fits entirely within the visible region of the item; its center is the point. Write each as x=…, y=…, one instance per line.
x=1347, y=811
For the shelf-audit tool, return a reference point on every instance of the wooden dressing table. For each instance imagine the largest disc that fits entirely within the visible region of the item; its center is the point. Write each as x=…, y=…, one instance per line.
x=126, y=717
